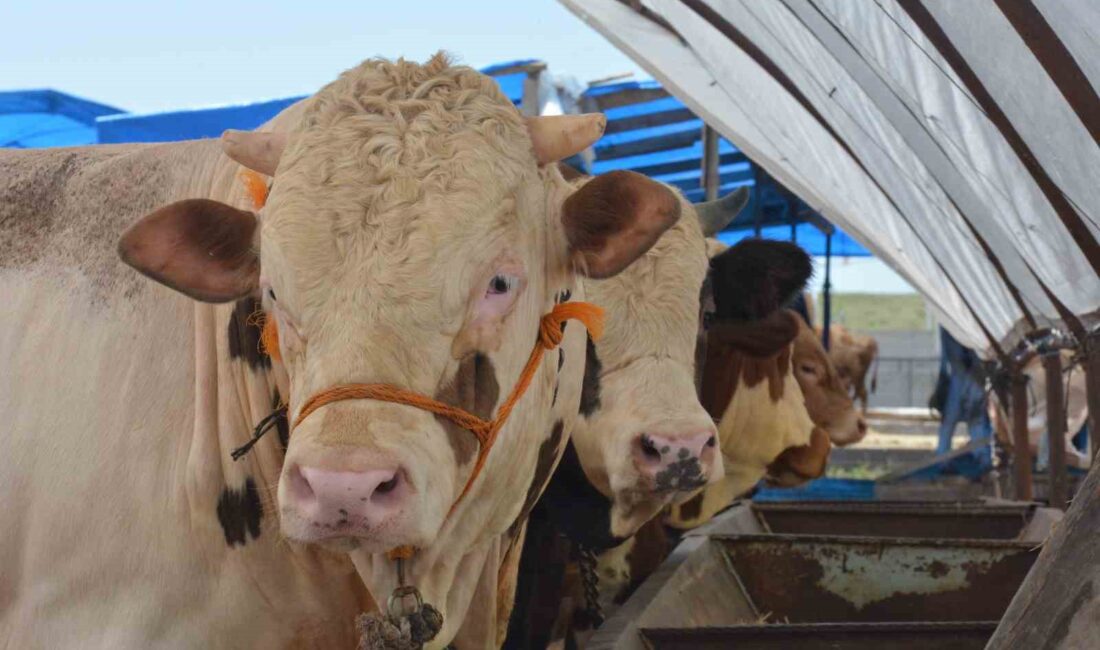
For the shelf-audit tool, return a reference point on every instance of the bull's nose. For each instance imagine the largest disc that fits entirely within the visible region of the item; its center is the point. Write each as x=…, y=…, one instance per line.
x=339, y=503
x=670, y=463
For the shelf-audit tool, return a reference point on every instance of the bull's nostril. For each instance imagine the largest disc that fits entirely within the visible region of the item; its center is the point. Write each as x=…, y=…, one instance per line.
x=649, y=449
x=386, y=487
x=299, y=484
x=712, y=441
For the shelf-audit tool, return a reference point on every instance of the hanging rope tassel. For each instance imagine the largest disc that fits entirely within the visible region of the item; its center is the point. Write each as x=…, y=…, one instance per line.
x=263, y=427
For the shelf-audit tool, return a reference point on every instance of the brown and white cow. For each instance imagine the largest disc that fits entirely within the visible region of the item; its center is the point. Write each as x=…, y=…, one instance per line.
x=412, y=236
x=624, y=567
x=853, y=355
x=827, y=399
x=581, y=501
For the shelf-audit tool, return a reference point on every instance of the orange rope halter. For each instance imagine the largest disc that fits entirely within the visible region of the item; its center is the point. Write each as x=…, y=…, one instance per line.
x=550, y=336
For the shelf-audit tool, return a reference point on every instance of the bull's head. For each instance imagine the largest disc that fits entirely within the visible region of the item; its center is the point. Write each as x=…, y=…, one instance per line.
x=643, y=439
x=827, y=398
x=748, y=382
x=413, y=236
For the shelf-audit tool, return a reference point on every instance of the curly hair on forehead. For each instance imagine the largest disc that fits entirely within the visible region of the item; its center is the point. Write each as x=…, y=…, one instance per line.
x=402, y=90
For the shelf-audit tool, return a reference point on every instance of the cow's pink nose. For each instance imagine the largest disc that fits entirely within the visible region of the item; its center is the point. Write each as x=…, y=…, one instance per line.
x=340, y=504
x=675, y=462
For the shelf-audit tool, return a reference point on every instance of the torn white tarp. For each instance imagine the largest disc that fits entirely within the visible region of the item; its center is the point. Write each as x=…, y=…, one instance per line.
x=930, y=130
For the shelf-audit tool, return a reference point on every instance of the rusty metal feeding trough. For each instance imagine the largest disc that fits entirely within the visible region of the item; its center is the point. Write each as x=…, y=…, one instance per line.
x=936, y=519
x=739, y=583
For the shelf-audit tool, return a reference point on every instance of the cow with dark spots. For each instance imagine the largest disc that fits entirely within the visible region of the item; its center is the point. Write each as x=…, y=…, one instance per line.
x=416, y=220
x=642, y=440
x=732, y=324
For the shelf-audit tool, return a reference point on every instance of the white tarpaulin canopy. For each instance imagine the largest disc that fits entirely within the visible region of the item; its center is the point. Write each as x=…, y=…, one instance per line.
x=955, y=139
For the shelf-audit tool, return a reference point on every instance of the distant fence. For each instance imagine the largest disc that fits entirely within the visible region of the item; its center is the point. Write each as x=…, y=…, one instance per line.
x=904, y=381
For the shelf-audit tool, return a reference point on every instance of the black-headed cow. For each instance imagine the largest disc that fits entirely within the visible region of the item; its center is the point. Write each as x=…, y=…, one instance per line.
x=413, y=237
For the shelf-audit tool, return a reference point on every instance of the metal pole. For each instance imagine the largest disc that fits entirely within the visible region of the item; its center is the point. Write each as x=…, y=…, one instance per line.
x=529, y=104
x=1056, y=429
x=1021, y=448
x=710, y=163
x=826, y=291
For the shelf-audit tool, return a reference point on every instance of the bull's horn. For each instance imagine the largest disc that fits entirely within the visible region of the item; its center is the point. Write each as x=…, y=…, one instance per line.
x=556, y=137
x=257, y=150
x=716, y=215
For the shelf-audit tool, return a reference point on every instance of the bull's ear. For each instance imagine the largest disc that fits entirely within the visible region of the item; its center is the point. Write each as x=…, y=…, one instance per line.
x=756, y=277
x=199, y=247
x=614, y=219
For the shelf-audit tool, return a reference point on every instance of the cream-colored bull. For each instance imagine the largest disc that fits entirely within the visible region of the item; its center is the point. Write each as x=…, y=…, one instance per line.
x=411, y=237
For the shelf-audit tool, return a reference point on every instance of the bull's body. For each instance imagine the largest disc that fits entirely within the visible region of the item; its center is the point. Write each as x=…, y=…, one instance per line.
x=128, y=525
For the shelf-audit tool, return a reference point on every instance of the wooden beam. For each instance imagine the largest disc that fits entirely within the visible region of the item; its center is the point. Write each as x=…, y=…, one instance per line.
x=1091, y=350
x=1056, y=429
x=1058, y=604
x=1021, y=446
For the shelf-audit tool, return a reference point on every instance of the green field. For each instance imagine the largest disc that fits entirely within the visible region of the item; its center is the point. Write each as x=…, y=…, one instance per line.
x=863, y=311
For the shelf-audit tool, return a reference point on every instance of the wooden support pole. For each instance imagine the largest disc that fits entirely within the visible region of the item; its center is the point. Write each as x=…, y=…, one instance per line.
x=1021, y=447
x=1056, y=429
x=711, y=180
x=1091, y=349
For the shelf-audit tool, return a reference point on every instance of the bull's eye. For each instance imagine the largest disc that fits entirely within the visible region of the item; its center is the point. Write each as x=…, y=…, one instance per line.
x=271, y=293
x=809, y=370
x=501, y=284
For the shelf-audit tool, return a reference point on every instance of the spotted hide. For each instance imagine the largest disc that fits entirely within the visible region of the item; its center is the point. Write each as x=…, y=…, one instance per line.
x=414, y=234
x=582, y=503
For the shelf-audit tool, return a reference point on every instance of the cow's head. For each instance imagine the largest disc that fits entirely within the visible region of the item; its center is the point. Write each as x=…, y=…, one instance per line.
x=853, y=355
x=414, y=235
x=748, y=381
x=643, y=439
x=827, y=398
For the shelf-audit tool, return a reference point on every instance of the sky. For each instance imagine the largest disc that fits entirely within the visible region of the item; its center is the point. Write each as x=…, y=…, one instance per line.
x=150, y=56
x=155, y=56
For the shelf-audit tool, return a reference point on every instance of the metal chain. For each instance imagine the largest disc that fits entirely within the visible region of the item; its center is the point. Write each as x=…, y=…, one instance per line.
x=591, y=582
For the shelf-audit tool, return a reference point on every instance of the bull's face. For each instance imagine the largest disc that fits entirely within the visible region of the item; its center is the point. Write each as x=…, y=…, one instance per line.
x=643, y=438
x=827, y=398
x=748, y=381
x=412, y=237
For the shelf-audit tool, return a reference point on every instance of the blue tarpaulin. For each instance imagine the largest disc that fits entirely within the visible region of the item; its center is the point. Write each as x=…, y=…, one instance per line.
x=48, y=118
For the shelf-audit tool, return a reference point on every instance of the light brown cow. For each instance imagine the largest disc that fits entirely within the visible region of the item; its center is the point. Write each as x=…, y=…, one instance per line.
x=827, y=399
x=853, y=355
x=412, y=237
x=1076, y=406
